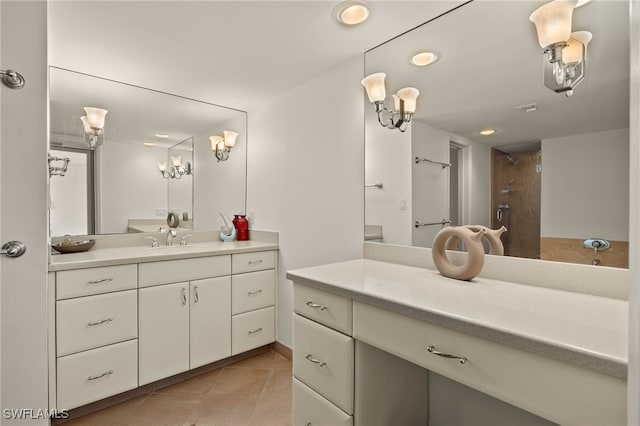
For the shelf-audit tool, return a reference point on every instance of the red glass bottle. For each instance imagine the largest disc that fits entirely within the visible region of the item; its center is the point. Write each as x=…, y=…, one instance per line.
x=242, y=226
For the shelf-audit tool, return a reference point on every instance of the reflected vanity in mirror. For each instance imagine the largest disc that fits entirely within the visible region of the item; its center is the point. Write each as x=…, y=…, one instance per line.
x=555, y=171
x=152, y=156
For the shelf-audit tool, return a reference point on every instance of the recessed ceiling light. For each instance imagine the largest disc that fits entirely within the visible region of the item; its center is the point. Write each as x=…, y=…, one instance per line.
x=487, y=132
x=162, y=135
x=423, y=59
x=352, y=12
x=149, y=143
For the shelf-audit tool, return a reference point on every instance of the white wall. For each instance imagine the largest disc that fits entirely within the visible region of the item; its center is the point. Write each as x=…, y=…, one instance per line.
x=388, y=161
x=219, y=186
x=476, y=178
x=134, y=167
x=430, y=189
x=305, y=175
x=23, y=293
x=585, y=186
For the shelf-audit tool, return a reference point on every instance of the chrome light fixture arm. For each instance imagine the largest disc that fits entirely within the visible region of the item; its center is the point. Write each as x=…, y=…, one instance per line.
x=392, y=119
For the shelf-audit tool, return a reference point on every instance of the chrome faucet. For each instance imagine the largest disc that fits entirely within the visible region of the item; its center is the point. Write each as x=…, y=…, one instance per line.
x=171, y=234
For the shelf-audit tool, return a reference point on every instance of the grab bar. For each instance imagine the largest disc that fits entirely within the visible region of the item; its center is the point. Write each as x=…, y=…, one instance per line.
x=426, y=160
x=374, y=185
x=442, y=222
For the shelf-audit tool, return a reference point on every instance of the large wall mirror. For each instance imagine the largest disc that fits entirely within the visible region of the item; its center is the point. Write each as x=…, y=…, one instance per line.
x=555, y=173
x=119, y=186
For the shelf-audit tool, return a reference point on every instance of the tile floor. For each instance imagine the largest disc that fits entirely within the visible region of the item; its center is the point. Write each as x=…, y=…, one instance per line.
x=255, y=391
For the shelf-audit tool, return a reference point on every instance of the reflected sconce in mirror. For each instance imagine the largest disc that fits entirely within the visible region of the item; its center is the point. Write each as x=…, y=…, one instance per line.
x=565, y=51
x=93, y=124
x=222, y=145
x=177, y=169
x=404, y=102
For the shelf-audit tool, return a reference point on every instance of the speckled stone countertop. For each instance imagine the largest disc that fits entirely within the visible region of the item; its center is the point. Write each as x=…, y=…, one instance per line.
x=138, y=254
x=580, y=329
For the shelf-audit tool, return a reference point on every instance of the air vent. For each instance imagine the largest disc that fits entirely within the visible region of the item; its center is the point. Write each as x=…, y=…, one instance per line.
x=527, y=107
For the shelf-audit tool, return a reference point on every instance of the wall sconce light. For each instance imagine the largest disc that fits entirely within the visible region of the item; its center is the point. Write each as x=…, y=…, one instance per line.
x=177, y=170
x=222, y=145
x=565, y=52
x=93, y=124
x=404, y=102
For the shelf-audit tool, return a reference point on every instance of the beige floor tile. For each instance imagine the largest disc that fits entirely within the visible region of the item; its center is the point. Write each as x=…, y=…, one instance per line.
x=111, y=416
x=223, y=410
x=163, y=410
x=281, y=362
x=278, y=383
x=264, y=360
x=272, y=410
x=199, y=385
x=240, y=381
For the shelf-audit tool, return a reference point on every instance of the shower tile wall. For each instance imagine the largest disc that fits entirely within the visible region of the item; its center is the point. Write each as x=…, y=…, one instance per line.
x=515, y=185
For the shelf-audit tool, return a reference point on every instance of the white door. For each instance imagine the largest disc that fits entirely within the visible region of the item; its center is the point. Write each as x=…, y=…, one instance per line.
x=163, y=331
x=210, y=332
x=23, y=189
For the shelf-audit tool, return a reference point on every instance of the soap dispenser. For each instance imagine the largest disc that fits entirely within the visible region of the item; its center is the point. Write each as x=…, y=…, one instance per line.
x=243, y=228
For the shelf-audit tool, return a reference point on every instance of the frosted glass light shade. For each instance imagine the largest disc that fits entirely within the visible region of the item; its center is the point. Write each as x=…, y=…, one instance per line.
x=177, y=160
x=162, y=165
x=374, y=85
x=553, y=21
x=230, y=138
x=85, y=124
x=409, y=95
x=215, y=140
x=573, y=51
x=95, y=117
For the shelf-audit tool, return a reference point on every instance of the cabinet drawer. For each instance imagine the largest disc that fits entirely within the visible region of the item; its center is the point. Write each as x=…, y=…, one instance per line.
x=325, y=308
x=252, y=329
x=310, y=408
x=256, y=261
x=85, y=282
x=172, y=271
x=88, y=322
x=560, y=392
x=92, y=375
x=323, y=360
x=252, y=291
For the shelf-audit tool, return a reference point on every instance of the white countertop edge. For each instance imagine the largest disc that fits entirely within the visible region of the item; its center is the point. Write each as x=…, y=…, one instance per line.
x=559, y=351
x=129, y=255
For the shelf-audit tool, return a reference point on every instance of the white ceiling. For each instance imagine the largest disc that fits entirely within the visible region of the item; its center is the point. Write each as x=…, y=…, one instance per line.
x=240, y=54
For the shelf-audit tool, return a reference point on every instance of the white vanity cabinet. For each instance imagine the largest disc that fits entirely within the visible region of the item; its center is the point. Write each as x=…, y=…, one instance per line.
x=323, y=358
x=183, y=324
x=96, y=333
x=368, y=336
x=114, y=328
x=253, y=300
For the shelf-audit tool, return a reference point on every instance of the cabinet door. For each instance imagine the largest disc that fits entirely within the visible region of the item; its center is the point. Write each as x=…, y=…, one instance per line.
x=163, y=331
x=210, y=333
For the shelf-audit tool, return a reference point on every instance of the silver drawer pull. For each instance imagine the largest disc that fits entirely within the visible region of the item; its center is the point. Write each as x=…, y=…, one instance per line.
x=106, y=373
x=104, y=321
x=251, y=293
x=308, y=424
x=432, y=349
x=316, y=306
x=255, y=262
x=195, y=294
x=257, y=330
x=315, y=361
x=104, y=280
x=183, y=294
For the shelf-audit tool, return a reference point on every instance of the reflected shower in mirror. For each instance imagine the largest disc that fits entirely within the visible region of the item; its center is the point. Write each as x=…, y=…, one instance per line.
x=490, y=145
x=118, y=186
